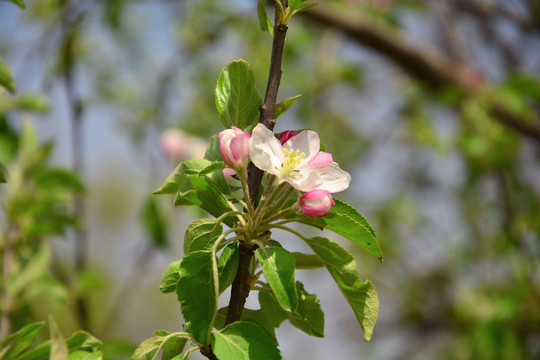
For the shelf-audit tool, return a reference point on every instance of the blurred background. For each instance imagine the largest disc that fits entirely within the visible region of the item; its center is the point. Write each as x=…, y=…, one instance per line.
x=432, y=106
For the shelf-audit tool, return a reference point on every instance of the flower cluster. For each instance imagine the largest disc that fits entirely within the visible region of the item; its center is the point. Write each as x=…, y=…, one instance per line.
x=294, y=158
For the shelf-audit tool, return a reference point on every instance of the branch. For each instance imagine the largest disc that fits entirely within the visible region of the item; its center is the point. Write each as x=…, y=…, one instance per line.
x=241, y=284
x=426, y=65
x=70, y=22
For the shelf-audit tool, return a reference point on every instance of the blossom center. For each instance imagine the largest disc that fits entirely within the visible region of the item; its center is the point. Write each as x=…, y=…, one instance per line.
x=291, y=160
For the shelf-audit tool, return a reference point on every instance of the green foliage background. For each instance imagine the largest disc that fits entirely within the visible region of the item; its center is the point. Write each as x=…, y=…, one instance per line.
x=452, y=193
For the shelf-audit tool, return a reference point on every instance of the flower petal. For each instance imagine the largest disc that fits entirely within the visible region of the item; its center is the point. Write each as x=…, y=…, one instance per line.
x=333, y=179
x=307, y=142
x=265, y=150
x=321, y=159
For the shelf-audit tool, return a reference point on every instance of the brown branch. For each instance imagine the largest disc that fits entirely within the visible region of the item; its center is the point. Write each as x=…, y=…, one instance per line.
x=426, y=65
x=241, y=284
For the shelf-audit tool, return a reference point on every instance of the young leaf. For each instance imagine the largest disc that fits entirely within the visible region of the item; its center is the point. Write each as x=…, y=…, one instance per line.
x=6, y=79
x=173, y=346
x=149, y=348
x=264, y=21
x=244, y=340
x=154, y=222
x=228, y=266
x=201, y=235
x=285, y=105
x=170, y=277
x=205, y=195
x=278, y=269
x=296, y=4
x=237, y=100
x=361, y=296
x=59, y=350
x=14, y=344
x=173, y=182
x=197, y=292
x=347, y=221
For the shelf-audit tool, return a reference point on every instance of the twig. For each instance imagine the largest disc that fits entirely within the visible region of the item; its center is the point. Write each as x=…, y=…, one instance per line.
x=241, y=284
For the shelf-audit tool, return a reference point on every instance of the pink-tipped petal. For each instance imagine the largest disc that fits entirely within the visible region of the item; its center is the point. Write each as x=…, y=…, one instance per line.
x=321, y=159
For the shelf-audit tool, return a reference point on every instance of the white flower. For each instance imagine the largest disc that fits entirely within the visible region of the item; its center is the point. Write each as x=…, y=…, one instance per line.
x=298, y=161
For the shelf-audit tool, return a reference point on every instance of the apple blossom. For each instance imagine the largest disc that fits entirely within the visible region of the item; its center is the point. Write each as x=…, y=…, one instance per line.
x=316, y=203
x=234, y=146
x=298, y=161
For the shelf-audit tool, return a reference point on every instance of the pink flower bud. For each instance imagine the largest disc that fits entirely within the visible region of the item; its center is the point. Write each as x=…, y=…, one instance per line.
x=286, y=135
x=234, y=146
x=316, y=203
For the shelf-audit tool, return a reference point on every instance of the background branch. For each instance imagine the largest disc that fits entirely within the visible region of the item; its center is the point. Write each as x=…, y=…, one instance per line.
x=426, y=65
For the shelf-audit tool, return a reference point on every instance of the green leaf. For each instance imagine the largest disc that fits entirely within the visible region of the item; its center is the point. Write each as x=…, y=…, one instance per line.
x=275, y=314
x=201, y=235
x=264, y=21
x=278, y=269
x=18, y=2
x=6, y=79
x=195, y=166
x=228, y=266
x=85, y=355
x=309, y=316
x=361, y=296
x=173, y=182
x=259, y=317
x=296, y=4
x=170, y=277
x=212, y=151
x=285, y=105
x=307, y=261
x=205, y=195
x=154, y=222
x=237, y=100
x=347, y=221
x=14, y=344
x=59, y=350
x=30, y=102
x=198, y=292
x=305, y=8
x=80, y=340
x=244, y=340
x=149, y=348
x=58, y=178
x=173, y=347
